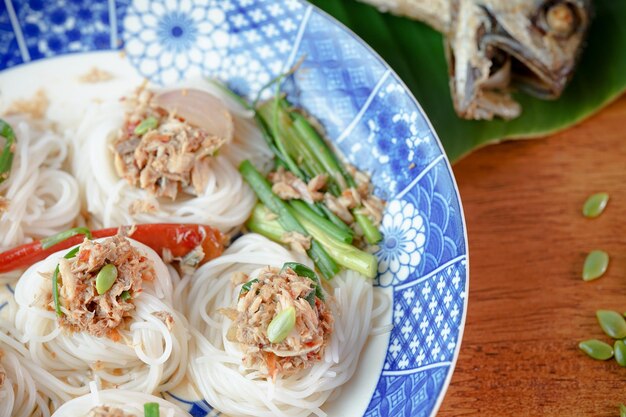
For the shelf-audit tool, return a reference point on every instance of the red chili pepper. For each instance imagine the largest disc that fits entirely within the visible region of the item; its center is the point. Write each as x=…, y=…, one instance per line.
x=180, y=239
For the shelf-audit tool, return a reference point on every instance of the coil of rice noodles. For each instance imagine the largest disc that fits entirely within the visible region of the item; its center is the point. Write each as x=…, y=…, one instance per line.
x=23, y=392
x=215, y=363
x=225, y=202
x=150, y=354
x=39, y=198
x=131, y=403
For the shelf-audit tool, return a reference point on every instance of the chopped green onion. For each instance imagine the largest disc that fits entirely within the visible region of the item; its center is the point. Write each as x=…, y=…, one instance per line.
x=286, y=219
x=151, y=410
x=106, y=278
x=281, y=325
x=146, y=125
x=6, y=157
x=125, y=296
x=246, y=287
x=62, y=236
x=306, y=272
x=55, y=281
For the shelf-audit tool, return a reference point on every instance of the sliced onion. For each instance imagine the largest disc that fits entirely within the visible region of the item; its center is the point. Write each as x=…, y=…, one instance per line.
x=199, y=109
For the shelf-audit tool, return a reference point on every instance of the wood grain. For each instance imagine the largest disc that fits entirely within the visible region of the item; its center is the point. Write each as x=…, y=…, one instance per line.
x=528, y=306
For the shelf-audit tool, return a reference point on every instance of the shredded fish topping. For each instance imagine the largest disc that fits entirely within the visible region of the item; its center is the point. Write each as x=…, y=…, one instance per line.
x=101, y=315
x=4, y=204
x=167, y=154
x=106, y=411
x=288, y=186
x=274, y=292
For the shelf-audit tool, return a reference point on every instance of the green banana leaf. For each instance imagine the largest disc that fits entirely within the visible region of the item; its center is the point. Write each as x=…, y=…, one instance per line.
x=416, y=53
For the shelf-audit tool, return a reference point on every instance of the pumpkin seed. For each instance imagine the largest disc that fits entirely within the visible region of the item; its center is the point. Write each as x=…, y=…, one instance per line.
x=105, y=278
x=595, y=204
x=612, y=323
x=151, y=410
x=595, y=265
x=622, y=410
x=146, y=125
x=619, y=349
x=281, y=325
x=596, y=349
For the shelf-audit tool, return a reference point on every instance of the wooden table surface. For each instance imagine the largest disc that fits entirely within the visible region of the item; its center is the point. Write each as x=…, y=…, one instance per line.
x=528, y=306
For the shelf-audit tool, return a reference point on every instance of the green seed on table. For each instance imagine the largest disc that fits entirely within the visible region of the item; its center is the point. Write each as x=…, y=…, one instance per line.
x=612, y=323
x=596, y=349
x=595, y=265
x=105, y=278
x=619, y=349
x=595, y=204
x=622, y=410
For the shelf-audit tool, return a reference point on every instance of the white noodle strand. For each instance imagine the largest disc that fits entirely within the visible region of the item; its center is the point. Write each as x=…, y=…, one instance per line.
x=43, y=199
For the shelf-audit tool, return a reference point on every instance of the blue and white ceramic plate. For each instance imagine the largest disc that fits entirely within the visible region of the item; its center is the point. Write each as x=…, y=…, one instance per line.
x=366, y=111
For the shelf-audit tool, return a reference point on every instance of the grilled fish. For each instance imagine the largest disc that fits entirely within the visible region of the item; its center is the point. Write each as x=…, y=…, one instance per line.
x=494, y=45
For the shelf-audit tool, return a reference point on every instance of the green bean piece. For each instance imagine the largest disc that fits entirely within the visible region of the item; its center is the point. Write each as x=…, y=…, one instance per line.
x=370, y=231
x=326, y=225
x=612, y=323
x=279, y=140
x=55, y=281
x=146, y=124
x=260, y=223
x=151, y=410
x=335, y=219
x=295, y=156
x=619, y=349
x=344, y=254
x=6, y=157
x=246, y=287
x=62, y=236
x=325, y=155
x=596, y=349
x=286, y=219
x=106, y=278
x=622, y=410
x=595, y=265
x=281, y=325
x=125, y=296
x=595, y=205
x=335, y=170
x=306, y=272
